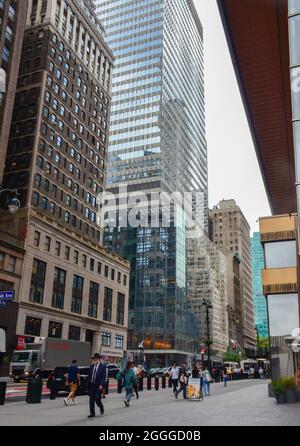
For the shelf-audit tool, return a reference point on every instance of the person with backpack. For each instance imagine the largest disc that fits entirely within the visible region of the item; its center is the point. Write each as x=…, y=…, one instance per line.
x=183, y=381
x=128, y=378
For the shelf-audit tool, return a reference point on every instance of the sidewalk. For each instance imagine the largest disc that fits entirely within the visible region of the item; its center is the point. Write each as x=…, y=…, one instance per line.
x=245, y=404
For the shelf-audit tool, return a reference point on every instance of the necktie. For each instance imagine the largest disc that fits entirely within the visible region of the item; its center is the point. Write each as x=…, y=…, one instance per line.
x=94, y=374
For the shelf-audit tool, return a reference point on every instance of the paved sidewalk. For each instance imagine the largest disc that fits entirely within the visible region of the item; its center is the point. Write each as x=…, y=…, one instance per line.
x=240, y=404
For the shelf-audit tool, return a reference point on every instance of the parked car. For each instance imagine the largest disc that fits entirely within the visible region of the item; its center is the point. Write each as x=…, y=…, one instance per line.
x=113, y=370
x=164, y=371
x=58, y=379
x=153, y=371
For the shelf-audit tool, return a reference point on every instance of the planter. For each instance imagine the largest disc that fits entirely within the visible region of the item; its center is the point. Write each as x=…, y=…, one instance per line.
x=290, y=396
x=298, y=395
x=280, y=398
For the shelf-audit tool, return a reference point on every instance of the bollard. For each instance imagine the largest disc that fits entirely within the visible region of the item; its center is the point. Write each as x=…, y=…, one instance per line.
x=106, y=387
x=149, y=383
x=120, y=385
x=52, y=391
x=141, y=384
x=170, y=382
x=3, y=385
x=156, y=383
x=163, y=382
x=34, y=390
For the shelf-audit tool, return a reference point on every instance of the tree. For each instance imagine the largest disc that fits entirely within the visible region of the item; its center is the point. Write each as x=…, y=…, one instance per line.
x=232, y=356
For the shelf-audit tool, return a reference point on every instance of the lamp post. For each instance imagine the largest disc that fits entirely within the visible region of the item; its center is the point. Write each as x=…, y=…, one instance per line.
x=13, y=202
x=208, y=306
x=257, y=336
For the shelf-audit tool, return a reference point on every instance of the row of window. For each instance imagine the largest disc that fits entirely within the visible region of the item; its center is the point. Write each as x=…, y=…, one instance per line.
x=58, y=293
x=92, y=265
x=7, y=264
x=33, y=328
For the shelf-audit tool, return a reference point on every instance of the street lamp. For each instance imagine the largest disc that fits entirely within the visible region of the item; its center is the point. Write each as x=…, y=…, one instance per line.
x=208, y=306
x=14, y=203
x=257, y=335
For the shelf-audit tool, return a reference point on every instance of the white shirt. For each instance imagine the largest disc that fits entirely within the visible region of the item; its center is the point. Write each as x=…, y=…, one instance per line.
x=174, y=373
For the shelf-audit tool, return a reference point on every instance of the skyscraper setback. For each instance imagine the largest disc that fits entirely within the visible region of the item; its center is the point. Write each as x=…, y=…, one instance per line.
x=157, y=143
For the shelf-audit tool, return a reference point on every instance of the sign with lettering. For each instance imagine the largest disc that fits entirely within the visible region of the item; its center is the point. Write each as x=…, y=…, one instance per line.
x=7, y=295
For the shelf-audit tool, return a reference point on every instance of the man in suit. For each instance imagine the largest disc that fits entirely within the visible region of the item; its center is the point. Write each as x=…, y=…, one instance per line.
x=96, y=384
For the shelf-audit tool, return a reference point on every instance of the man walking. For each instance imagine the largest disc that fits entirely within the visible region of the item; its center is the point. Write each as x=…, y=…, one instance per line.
x=96, y=384
x=183, y=380
x=174, y=372
x=73, y=380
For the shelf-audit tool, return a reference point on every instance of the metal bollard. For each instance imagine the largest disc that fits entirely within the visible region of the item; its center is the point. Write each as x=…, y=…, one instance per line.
x=156, y=383
x=141, y=384
x=163, y=382
x=170, y=383
x=106, y=387
x=3, y=385
x=52, y=391
x=119, y=385
x=149, y=383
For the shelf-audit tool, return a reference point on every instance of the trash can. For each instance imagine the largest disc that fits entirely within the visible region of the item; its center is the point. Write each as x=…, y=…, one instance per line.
x=141, y=384
x=3, y=385
x=34, y=390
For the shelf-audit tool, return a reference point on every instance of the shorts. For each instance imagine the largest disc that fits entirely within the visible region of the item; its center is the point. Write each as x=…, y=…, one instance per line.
x=73, y=387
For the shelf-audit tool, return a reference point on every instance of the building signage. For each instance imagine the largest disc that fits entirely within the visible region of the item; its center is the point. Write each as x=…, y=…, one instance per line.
x=7, y=295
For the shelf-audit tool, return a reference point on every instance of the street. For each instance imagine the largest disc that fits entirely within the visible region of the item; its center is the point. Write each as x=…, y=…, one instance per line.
x=242, y=403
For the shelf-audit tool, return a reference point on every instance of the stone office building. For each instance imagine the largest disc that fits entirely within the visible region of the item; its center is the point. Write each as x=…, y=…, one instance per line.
x=71, y=287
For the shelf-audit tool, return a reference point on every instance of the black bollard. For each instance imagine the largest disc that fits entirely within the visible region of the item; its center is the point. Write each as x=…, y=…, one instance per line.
x=34, y=390
x=149, y=383
x=3, y=385
x=163, y=382
x=52, y=390
x=156, y=383
x=106, y=387
x=141, y=384
x=119, y=385
x=170, y=382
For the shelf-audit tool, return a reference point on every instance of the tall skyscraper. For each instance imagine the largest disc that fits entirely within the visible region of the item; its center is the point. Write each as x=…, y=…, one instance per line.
x=157, y=143
x=259, y=300
x=12, y=24
x=71, y=287
x=230, y=230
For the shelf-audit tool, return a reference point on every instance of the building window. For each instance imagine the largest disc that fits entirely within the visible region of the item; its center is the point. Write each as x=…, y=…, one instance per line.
x=37, y=281
x=281, y=254
x=67, y=252
x=93, y=300
x=74, y=333
x=107, y=309
x=57, y=248
x=47, y=243
x=77, y=293
x=36, y=240
x=11, y=264
x=76, y=255
x=119, y=277
x=1, y=260
x=99, y=268
x=119, y=340
x=105, y=339
x=55, y=330
x=112, y=274
x=84, y=258
x=32, y=326
x=120, y=308
x=279, y=305
x=124, y=280
x=106, y=271
x=59, y=284
x=92, y=264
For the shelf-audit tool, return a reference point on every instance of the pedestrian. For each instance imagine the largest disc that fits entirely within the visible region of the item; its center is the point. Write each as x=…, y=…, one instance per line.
x=195, y=372
x=173, y=373
x=129, y=379
x=96, y=383
x=261, y=373
x=225, y=377
x=252, y=372
x=183, y=381
x=73, y=381
x=207, y=379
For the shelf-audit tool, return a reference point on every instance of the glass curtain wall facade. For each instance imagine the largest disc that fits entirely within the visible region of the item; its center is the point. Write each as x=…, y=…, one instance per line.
x=157, y=143
x=259, y=300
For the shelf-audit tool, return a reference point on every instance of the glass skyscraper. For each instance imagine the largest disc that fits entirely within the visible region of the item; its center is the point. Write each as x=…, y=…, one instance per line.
x=157, y=143
x=259, y=300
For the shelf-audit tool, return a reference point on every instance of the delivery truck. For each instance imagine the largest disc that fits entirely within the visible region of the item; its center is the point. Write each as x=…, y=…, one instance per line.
x=45, y=354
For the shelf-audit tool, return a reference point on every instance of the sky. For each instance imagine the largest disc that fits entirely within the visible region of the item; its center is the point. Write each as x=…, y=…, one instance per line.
x=233, y=167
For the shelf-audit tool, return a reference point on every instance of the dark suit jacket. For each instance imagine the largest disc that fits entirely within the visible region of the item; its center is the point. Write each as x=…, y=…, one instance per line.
x=100, y=376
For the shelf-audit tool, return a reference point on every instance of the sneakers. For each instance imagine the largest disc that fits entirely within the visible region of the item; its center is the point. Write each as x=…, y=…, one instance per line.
x=102, y=410
x=176, y=394
x=126, y=403
x=66, y=402
x=91, y=416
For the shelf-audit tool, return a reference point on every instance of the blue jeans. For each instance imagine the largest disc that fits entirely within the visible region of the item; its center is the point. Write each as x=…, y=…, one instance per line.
x=206, y=387
x=225, y=379
x=128, y=394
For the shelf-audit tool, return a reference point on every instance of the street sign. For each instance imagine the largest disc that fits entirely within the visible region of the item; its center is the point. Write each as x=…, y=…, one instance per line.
x=7, y=295
x=3, y=304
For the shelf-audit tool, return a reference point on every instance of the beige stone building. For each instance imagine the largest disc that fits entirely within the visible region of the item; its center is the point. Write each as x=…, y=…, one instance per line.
x=231, y=231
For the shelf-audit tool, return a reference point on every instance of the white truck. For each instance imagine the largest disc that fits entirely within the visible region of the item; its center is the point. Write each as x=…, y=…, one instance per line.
x=45, y=354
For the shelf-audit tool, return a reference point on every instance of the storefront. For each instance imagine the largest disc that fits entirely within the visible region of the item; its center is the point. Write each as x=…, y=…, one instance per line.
x=8, y=322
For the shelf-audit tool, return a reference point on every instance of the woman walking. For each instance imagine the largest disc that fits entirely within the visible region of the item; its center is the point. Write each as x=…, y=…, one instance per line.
x=225, y=377
x=129, y=380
